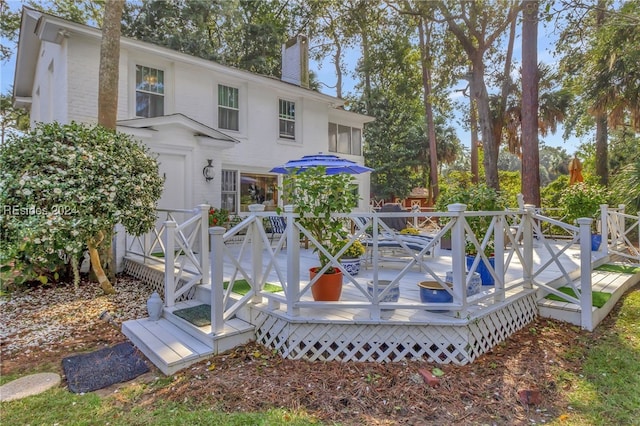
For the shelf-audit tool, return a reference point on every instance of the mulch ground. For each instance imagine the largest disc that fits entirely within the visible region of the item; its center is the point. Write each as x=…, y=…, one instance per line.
x=516, y=383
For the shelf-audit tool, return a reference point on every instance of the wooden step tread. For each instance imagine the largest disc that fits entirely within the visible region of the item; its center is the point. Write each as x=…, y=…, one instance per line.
x=166, y=342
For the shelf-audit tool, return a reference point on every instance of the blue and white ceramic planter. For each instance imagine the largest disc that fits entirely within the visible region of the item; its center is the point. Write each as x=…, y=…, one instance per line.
x=391, y=296
x=474, y=284
x=351, y=265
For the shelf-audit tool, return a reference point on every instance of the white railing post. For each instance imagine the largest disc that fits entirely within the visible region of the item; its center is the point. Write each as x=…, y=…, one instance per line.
x=293, y=262
x=257, y=247
x=204, y=243
x=498, y=256
x=527, y=246
x=604, y=229
x=620, y=227
x=586, y=317
x=216, y=259
x=169, y=261
x=458, y=264
x=146, y=246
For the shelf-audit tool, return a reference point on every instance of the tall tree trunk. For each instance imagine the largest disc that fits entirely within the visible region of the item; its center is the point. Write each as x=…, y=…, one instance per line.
x=530, y=153
x=602, y=151
x=602, y=154
x=107, y=114
x=336, y=63
x=366, y=71
x=109, y=64
x=481, y=97
x=474, y=141
x=425, y=54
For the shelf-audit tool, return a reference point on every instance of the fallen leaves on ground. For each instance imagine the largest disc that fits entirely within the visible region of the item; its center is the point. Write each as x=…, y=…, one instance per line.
x=43, y=325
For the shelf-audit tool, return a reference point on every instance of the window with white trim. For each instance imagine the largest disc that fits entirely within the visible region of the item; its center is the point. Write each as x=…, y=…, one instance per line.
x=149, y=92
x=345, y=139
x=228, y=108
x=287, y=118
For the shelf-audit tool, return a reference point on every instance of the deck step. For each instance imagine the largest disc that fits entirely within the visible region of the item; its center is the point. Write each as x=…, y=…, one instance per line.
x=170, y=348
x=615, y=283
x=167, y=346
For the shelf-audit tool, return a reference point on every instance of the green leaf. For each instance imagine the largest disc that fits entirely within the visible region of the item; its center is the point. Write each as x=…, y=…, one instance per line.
x=437, y=372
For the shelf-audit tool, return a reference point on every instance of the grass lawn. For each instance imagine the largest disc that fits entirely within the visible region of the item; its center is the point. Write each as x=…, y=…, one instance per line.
x=597, y=382
x=607, y=389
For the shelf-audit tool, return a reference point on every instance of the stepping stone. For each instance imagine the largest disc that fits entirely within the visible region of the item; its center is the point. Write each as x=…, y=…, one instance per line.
x=28, y=385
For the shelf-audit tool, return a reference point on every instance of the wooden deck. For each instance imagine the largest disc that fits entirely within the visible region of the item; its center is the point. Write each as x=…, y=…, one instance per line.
x=348, y=332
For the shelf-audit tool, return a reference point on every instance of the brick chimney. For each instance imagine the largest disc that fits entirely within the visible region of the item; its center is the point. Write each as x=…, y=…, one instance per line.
x=295, y=61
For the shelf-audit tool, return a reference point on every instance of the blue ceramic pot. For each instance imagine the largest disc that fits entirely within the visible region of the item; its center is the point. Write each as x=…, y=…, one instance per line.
x=485, y=275
x=432, y=292
x=596, y=240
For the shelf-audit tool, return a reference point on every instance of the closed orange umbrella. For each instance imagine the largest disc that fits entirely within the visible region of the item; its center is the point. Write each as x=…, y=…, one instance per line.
x=575, y=171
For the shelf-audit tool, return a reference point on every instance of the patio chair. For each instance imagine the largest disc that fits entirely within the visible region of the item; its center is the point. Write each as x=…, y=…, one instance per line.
x=392, y=241
x=278, y=226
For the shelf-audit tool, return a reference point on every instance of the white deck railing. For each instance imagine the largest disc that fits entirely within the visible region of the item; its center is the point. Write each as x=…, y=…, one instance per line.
x=518, y=237
x=625, y=233
x=180, y=239
x=297, y=291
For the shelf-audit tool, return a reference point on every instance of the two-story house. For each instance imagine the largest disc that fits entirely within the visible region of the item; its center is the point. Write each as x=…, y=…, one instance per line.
x=192, y=113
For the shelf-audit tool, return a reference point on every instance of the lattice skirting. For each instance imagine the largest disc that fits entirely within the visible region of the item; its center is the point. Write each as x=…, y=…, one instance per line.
x=443, y=344
x=153, y=278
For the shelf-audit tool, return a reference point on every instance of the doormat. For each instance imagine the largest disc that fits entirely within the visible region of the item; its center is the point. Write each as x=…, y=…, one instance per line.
x=598, y=298
x=623, y=269
x=199, y=315
x=99, y=369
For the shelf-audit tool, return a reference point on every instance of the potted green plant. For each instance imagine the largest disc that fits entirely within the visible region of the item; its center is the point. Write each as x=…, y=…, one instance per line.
x=583, y=200
x=315, y=196
x=352, y=256
x=477, y=198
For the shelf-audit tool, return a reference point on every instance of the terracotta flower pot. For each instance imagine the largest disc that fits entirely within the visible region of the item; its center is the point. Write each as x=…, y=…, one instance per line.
x=328, y=287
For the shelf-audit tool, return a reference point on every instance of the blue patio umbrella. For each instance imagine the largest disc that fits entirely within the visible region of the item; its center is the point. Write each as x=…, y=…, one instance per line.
x=333, y=163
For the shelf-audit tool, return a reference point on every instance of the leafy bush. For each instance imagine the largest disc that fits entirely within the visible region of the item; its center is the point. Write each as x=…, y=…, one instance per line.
x=315, y=196
x=63, y=188
x=218, y=217
x=477, y=198
x=582, y=200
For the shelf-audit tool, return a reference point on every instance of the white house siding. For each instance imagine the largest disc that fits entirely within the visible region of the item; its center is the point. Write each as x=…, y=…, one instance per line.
x=50, y=93
x=70, y=93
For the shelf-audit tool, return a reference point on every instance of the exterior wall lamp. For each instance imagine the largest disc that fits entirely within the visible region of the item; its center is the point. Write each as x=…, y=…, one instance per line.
x=208, y=170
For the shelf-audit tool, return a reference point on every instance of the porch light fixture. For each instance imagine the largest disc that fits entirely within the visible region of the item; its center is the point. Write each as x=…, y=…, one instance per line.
x=208, y=170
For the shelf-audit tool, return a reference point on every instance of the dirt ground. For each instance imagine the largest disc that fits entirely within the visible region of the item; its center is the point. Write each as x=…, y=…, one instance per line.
x=516, y=383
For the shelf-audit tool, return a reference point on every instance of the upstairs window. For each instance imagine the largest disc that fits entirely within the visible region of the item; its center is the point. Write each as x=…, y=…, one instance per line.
x=287, y=119
x=149, y=92
x=228, y=108
x=345, y=139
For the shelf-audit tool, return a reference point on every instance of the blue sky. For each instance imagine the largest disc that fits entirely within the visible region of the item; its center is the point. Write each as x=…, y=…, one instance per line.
x=326, y=75
x=546, y=39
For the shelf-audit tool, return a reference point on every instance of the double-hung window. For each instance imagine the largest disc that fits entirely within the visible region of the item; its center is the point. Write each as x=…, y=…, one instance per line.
x=228, y=108
x=149, y=92
x=287, y=119
x=345, y=139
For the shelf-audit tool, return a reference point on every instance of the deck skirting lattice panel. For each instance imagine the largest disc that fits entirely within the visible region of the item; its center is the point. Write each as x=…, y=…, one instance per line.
x=153, y=278
x=489, y=330
x=443, y=344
